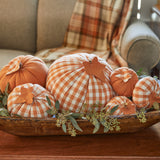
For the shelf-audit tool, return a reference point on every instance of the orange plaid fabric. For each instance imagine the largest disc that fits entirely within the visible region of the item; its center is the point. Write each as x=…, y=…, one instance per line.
x=95, y=27
x=125, y=106
x=71, y=85
x=146, y=92
x=37, y=107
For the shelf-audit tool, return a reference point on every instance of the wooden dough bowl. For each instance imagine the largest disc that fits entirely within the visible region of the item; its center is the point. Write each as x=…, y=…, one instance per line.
x=46, y=127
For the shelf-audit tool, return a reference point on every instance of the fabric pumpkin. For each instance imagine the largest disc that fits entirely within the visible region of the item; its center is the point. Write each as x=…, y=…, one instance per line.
x=125, y=105
x=21, y=70
x=29, y=100
x=80, y=80
x=146, y=92
x=123, y=81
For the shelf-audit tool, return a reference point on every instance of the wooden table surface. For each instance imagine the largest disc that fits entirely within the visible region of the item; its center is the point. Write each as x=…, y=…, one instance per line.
x=144, y=144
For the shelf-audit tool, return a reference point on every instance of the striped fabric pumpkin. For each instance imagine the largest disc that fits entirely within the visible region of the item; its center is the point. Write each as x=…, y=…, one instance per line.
x=29, y=100
x=123, y=81
x=125, y=105
x=80, y=80
x=146, y=92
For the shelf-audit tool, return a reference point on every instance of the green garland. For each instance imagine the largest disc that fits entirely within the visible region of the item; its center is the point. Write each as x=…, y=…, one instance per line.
x=67, y=120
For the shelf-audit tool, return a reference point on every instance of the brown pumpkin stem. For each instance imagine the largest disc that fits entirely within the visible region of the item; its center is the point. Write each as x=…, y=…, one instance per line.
x=20, y=65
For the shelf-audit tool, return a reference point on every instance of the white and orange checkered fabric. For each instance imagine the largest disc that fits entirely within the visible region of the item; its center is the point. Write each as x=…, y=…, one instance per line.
x=71, y=85
x=146, y=92
x=125, y=105
x=32, y=104
x=97, y=27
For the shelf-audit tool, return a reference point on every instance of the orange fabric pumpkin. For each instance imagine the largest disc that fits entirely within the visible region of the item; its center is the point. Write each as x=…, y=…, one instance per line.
x=123, y=81
x=125, y=105
x=23, y=69
x=29, y=100
x=146, y=92
x=80, y=80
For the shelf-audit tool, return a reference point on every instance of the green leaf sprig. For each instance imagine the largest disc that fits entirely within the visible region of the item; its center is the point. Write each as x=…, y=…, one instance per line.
x=141, y=115
x=67, y=120
x=64, y=119
x=3, y=102
x=103, y=118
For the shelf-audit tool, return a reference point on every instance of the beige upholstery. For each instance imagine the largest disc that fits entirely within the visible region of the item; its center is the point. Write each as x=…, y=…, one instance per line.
x=53, y=19
x=140, y=47
x=7, y=55
x=33, y=25
x=18, y=24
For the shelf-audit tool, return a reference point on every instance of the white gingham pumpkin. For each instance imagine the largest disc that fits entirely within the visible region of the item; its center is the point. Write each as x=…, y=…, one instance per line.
x=146, y=92
x=74, y=86
x=29, y=100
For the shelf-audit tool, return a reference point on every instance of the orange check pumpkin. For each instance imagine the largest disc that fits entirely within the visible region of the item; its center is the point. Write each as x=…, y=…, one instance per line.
x=29, y=100
x=123, y=81
x=146, y=92
x=80, y=79
x=125, y=105
x=23, y=69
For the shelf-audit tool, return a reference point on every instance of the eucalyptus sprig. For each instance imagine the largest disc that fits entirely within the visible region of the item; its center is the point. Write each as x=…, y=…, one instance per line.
x=103, y=118
x=141, y=115
x=67, y=119
x=3, y=102
x=4, y=97
x=141, y=73
x=64, y=119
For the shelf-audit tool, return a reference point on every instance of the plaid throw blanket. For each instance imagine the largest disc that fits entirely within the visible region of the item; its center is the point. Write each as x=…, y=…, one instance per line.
x=96, y=26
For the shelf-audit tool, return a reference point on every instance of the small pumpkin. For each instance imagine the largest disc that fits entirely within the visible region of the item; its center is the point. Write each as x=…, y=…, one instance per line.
x=21, y=70
x=29, y=100
x=125, y=105
x=146, y=92
x=80, y=80
x=123, y=81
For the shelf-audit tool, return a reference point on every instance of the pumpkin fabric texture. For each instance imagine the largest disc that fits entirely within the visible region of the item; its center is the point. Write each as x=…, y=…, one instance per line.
x=125, y=105
x=146, y=92
x=29, y=100
x=21, y=70
x=80, y=80
x=123, y=81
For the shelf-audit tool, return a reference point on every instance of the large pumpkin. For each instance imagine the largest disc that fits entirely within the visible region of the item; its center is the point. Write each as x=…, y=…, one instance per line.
x=123, y=81
x=23, y=69
x=125, y=105
x=146, y=92
x=79, y=81
x=29, y=100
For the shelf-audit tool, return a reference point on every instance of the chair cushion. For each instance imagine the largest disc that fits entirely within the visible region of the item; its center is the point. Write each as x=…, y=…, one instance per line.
x=7, y=55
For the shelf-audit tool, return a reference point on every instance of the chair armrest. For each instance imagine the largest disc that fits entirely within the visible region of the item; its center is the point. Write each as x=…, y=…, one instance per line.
x=140, y=47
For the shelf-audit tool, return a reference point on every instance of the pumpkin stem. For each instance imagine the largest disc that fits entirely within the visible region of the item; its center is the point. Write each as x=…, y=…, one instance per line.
x=20, y=65
x=125, y=105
